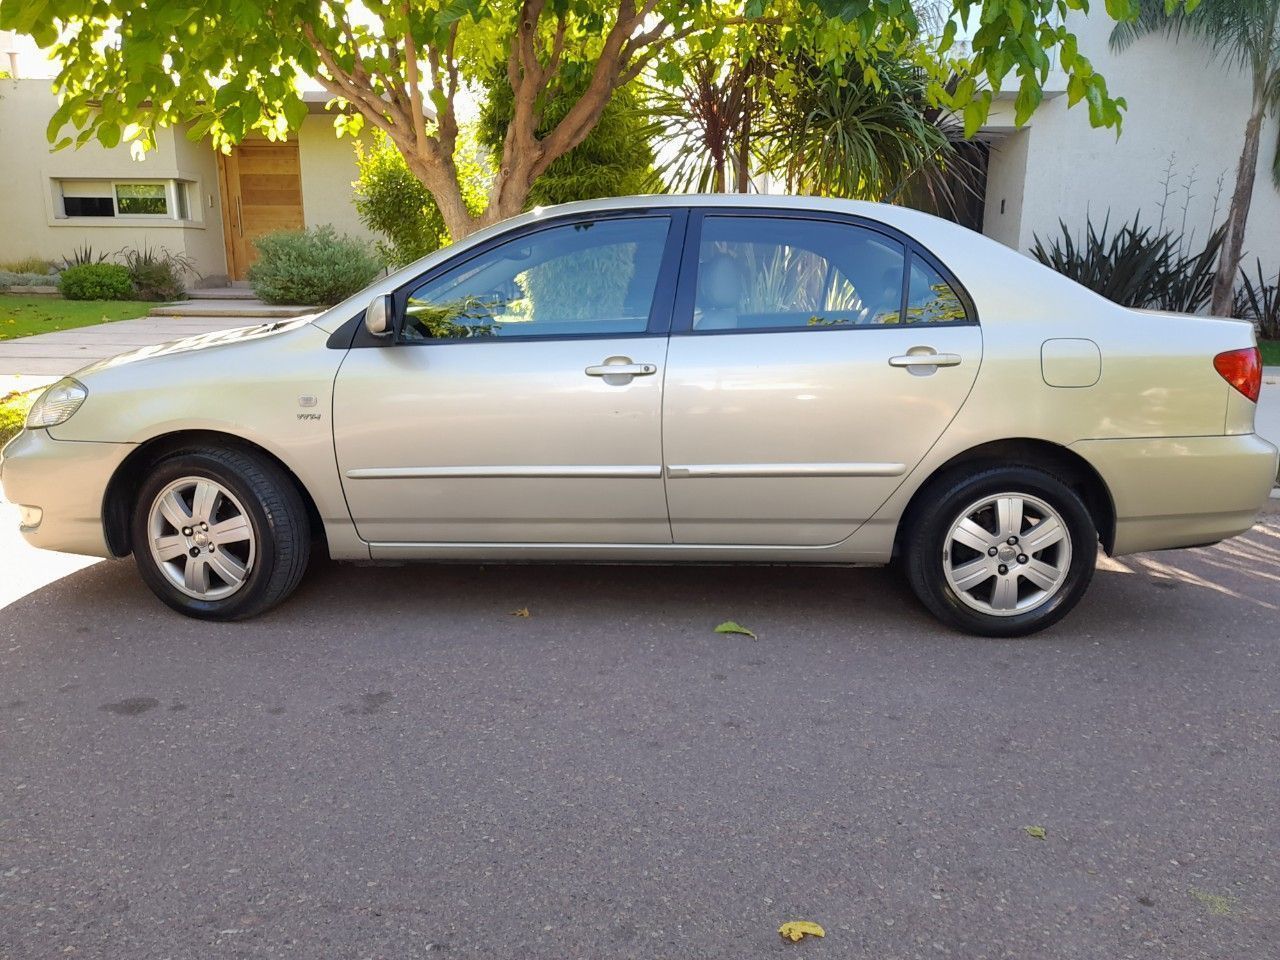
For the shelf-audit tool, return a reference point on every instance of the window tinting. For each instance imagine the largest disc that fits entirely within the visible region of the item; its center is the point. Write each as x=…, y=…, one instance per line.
x=773, y=272
x=930, y=298
x=591, y=277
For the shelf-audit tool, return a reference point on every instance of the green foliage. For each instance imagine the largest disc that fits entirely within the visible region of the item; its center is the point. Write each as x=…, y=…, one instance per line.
x=156, y=273
x=838, y=132
x=96, y=281
x=312, y=267
x=232, y=67
x=616, y=158
x=13, y=413
x=1258, y=299
x=1136, y=266
x=11, y=279
x=393, y=202
x=84, y=254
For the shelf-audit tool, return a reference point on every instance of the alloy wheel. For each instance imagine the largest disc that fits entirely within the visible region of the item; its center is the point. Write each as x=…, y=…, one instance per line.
x=1007, y=554
x=201, y=538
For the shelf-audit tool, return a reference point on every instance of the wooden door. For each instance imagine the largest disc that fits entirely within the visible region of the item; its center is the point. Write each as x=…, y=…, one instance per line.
x=261, y=193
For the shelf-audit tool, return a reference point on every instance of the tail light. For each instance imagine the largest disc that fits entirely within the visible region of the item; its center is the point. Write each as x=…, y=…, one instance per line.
x=1242, y=369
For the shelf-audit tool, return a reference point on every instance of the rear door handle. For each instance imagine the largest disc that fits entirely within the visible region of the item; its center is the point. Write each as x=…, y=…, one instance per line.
x=925, y=360
x=621, y=369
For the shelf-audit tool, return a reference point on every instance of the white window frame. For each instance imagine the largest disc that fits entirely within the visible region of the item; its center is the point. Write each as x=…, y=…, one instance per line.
x=109, y=185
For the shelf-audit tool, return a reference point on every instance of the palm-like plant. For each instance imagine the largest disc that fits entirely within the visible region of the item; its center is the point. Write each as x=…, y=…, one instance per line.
x=1244, y=33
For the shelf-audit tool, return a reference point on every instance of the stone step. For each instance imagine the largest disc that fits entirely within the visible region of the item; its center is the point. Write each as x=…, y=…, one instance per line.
x=222, y=293
x=250, y=309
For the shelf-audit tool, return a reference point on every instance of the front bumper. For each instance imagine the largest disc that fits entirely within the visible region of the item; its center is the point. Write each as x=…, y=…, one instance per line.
x=1182, y=491
x=65, y=480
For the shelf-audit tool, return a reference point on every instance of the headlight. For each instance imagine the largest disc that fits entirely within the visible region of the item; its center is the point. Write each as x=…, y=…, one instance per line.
x=57, y=404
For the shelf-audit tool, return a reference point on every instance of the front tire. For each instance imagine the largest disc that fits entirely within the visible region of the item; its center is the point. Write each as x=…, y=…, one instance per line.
x=1003, y=552
x=220, y=534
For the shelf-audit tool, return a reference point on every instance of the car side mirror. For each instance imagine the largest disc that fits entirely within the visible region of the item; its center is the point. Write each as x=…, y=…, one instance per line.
x=378, y=316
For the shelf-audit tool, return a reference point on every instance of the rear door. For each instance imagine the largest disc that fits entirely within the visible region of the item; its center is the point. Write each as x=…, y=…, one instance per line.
x=814, y=361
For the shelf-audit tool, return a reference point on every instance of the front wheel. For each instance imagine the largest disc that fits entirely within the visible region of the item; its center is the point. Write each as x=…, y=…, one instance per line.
x=1003, y=552
x=220, y=534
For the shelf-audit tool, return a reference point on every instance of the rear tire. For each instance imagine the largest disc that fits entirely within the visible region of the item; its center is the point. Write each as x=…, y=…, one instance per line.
x=1003, y=552
x=220, y=534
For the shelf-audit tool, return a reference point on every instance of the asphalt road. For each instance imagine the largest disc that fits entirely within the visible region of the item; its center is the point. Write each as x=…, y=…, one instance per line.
x=395, y=766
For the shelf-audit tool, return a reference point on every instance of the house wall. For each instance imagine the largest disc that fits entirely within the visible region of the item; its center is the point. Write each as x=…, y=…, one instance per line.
x=1184, y=107
x=29, y=170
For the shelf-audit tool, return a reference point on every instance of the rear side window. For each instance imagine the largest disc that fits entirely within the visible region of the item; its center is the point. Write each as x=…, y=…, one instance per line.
x=768, y=273
x=930, y=299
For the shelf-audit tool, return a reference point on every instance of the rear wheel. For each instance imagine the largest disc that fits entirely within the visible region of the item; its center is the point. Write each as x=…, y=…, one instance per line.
x=220, y=534
x=1003, y=552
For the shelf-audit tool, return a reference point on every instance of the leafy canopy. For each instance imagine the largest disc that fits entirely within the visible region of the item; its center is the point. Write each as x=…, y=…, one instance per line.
x=232, y=67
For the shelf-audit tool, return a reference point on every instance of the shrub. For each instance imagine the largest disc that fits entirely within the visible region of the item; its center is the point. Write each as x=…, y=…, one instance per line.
x=37, y=265
x=96, y=281
x=10, y=279
x=1259, y=300
x=82, y=255
x=13, y=413
x=156, y=273
x=317, y=266
x=1136, y=266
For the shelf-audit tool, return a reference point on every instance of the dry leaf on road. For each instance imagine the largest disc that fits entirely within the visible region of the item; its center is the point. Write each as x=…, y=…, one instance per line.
x=797, y=930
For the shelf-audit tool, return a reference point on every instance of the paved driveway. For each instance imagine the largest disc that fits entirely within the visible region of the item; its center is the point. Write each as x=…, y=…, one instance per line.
x=394, y=766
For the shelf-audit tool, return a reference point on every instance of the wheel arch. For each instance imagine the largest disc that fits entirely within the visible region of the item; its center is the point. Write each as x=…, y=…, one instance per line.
x=119, y=498
x=1067, y=465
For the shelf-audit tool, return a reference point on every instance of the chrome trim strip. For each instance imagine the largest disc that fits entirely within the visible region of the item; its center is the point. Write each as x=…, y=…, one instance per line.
x=694, y=470
x=505, y=472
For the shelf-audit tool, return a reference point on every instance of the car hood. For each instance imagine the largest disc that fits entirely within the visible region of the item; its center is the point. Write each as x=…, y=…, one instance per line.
x=204, y=341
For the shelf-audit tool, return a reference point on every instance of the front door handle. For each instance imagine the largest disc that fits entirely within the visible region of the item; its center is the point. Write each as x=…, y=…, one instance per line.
x=925, y=360
x=621, y=367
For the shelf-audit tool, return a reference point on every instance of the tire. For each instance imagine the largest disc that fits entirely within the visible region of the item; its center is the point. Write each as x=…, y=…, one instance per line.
x=243, y=517
x=951, y=566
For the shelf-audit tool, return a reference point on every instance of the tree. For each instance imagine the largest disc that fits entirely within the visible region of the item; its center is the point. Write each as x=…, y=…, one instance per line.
x=231, y=67
x=614, y=159
x=1244, y=33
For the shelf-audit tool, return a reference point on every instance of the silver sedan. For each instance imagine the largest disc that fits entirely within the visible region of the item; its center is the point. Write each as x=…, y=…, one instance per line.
x=713, y=379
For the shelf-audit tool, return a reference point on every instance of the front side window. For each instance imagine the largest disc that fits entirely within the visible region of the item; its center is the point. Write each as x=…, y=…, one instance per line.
x=776, y=273
x=586, y=278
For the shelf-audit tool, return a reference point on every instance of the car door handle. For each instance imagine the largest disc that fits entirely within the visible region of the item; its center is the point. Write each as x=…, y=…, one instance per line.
x=925, y=360
x=626, y=369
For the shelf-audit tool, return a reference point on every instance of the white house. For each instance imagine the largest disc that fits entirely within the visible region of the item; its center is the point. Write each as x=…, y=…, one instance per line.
x=1186, y=114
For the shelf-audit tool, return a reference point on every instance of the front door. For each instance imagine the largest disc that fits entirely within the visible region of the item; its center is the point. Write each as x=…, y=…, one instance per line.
x=812, y=365
x=261, y=193
x=522, y=400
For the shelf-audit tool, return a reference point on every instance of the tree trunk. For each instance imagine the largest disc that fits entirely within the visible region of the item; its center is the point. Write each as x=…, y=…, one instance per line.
x=744, y=146
x=1224, y=280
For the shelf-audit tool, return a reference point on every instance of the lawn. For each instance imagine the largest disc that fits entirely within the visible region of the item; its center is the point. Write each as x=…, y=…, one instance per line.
x=23, y=316
x=13, y=413
x=1270, y=352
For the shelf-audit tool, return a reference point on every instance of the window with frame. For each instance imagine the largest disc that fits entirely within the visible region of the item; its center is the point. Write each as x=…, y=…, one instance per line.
x=777, y=273
x=592, y=277
x=158, y=199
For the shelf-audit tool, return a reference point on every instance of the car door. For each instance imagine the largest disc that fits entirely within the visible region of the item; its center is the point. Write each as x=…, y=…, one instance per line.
x=520, y=401
x=813, y=362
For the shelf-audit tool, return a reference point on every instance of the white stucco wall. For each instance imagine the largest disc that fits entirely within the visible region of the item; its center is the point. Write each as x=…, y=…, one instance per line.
x=1182, y=105
x=29, y=170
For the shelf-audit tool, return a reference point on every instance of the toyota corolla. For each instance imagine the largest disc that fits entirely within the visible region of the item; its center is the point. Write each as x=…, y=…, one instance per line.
x=661, y=379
